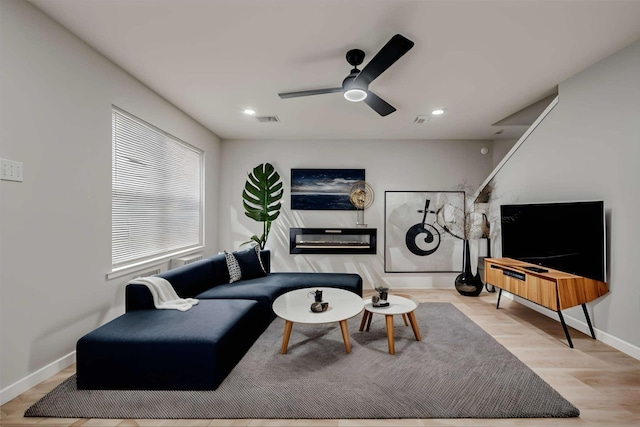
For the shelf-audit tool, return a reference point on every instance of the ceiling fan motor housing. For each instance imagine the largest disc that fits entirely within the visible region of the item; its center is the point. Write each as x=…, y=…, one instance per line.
x=351, y=84
x=354, y=91
x=355, y=57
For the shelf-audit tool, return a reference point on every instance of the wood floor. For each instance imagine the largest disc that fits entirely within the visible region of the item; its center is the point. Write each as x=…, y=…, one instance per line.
x=601, y=381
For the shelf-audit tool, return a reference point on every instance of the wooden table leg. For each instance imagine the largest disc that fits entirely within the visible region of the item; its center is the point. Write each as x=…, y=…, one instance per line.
x=365, y=316
x=345, y=335
x=404, y=317
x=369, y=321
x=392, y=346
x=414, y=325
x=285, y=338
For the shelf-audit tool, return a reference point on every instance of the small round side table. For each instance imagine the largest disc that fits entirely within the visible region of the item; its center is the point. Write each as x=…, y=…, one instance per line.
x=397, y=305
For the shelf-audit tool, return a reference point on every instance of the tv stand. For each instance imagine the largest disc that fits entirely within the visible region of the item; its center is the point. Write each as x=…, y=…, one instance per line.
x=552, y=289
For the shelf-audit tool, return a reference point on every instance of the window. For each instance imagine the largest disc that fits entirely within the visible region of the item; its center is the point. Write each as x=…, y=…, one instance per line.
x=156, y=193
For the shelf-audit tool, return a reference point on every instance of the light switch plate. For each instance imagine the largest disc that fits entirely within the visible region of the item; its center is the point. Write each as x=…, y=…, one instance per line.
x=10, y=170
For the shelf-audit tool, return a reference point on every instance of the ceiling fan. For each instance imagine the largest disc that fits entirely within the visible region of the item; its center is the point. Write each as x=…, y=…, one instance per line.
x=355, y=86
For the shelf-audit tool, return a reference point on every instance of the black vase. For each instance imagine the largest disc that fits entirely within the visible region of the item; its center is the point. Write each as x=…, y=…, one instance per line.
x=467, y=283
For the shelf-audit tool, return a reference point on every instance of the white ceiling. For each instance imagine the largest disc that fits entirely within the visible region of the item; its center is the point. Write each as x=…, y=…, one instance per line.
x=480, y=60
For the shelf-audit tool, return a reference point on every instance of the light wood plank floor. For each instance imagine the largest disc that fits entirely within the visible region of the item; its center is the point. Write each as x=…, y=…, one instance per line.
x=601, y=381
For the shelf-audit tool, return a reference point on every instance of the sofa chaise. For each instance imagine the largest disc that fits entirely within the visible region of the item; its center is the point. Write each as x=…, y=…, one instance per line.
x=149, y=348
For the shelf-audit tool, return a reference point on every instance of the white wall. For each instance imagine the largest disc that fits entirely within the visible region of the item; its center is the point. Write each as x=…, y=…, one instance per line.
x=389, y=165
x=500, y=148
x=588, y=148
x=55, y=229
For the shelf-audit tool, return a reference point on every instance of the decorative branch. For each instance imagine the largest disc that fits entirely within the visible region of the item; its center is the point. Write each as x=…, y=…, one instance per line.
x=469, y=221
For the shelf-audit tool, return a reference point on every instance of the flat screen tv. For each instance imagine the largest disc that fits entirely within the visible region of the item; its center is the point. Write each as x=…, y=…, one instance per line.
x=568, y=236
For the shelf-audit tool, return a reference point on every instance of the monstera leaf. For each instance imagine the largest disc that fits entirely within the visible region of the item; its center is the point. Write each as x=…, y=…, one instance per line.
x=261, y=199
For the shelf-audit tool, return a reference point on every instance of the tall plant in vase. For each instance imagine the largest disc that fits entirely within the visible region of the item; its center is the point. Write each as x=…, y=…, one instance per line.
x=261, y=199
x=465, y=223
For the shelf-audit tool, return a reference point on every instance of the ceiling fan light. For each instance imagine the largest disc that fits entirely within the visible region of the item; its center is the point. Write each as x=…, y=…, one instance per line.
x=355, y=95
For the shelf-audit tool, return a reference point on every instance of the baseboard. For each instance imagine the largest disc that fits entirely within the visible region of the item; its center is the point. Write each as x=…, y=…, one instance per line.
x=31, y=380
x=581, y=325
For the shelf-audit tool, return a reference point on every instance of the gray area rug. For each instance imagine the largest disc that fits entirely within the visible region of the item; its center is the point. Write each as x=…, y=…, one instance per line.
x=456, y=371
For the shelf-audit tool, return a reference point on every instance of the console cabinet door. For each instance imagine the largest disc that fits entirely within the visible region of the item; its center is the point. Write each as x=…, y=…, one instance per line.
x=541, y=291
x=493, y=276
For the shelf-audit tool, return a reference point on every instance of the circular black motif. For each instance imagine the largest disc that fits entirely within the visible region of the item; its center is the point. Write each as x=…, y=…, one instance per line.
x=422, y=239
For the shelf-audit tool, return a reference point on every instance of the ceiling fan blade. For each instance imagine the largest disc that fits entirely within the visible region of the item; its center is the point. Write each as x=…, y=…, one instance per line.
x=381, y=106
x=390, y=53
x=309, y=92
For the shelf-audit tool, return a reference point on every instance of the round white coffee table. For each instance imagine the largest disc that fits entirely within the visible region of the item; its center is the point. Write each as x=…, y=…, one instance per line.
x=295, y=307
x=397, y=305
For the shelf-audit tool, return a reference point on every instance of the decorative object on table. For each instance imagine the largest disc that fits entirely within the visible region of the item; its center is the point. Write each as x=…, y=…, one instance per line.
x=381, y=300
x=464, y=223
x=376, y=302
x=317, y=295
x=323, y=189
x=361, y=196
x=414, y=241
x=261, y=199
x=319, y=307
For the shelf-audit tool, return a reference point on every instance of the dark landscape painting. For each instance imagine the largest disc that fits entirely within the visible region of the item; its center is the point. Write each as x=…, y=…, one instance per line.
x=323, y=189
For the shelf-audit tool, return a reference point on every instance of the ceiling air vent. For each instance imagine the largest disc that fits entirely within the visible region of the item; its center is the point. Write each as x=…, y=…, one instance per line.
x=421, y=119
x=267, y=119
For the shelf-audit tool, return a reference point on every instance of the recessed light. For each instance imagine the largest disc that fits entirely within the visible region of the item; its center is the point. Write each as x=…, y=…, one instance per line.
x=437, y=112
x=249, y=111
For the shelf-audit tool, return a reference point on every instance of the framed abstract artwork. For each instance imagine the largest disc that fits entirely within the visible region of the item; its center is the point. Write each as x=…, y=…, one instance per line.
x=414, y=240
x=323, y=189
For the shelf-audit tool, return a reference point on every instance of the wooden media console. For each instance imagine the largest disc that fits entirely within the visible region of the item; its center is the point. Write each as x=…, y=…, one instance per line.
x=553, y=289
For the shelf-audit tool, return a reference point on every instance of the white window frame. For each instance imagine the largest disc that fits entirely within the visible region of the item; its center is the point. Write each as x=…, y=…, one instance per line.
x=133, y=255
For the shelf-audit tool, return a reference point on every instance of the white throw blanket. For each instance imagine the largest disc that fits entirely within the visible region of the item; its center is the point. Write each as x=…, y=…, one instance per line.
x=164, y=296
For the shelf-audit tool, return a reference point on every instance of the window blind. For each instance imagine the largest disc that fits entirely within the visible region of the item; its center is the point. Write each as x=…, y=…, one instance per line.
x=156, y=199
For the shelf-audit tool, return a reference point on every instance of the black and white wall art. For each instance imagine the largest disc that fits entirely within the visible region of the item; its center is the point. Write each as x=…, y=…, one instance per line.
x=414, y=240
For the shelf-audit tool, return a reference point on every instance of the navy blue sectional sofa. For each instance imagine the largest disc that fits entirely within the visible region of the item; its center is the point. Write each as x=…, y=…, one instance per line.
x=148, y=348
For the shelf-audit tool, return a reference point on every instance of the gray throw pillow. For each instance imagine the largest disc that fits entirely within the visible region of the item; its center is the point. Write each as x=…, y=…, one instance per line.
x=235, y=273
